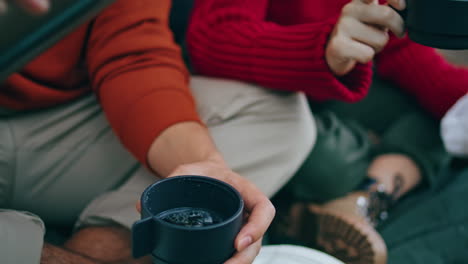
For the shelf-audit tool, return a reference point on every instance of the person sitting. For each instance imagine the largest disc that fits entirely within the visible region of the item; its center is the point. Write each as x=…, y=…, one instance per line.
x=368, y=154
x=72, y=118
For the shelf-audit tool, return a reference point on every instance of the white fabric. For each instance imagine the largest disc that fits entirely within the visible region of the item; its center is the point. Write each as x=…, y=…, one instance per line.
x=289, y=254
x=454, y=128
x=21, y=237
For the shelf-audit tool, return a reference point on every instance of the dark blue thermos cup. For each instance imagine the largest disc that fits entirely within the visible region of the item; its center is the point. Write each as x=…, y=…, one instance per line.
x=188, y=219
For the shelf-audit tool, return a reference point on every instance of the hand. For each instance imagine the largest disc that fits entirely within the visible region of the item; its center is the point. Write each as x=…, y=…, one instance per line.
x=32, y=6
x=258, y=207
x=361, y=32
x=186, y=148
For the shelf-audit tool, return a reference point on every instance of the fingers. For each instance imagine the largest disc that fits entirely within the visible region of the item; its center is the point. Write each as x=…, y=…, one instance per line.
x=359, y=52
x=369, y=35
x=398, y=4
x=257, y=205
x=35, y=6
x=379, y=15
x=343, y=53
x=261, y=212
x=261, y=215
x=383, y=16
x=247, y=255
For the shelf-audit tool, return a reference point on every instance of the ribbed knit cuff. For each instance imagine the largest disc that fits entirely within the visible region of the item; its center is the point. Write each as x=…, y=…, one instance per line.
x=298, y=62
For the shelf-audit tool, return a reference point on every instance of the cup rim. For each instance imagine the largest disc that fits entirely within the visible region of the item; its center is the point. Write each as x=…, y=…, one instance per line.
x=204, y=179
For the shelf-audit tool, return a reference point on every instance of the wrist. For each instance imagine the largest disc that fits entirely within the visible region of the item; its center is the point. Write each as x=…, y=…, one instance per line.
x=180, y=144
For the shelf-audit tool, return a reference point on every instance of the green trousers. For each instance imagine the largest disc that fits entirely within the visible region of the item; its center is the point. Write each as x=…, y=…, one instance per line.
x=343, y=151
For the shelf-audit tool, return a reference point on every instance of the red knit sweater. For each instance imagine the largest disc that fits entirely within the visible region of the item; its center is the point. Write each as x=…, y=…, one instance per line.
x=281, y=44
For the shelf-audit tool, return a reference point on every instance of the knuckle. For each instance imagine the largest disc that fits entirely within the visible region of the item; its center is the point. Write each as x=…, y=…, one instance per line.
x=382, y=41
x=368, y=55
x=338, y=46
x=349, y=9
x=385, y=39
x=387, y=14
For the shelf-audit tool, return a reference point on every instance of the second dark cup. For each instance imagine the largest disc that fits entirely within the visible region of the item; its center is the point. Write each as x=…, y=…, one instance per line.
x=188, y=219
x=438, y=23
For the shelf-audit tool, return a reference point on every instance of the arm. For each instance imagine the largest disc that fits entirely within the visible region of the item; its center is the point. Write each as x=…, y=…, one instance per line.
x=187, y=149
x=233, y=39
x=139, y=76
x=425, y=74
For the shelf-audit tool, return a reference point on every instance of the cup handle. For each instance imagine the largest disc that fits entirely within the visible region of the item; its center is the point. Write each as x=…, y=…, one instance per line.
x=143, y=237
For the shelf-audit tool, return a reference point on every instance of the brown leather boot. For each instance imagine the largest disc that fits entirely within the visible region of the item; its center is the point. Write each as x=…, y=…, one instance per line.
x=345, y=231
x=343, y=228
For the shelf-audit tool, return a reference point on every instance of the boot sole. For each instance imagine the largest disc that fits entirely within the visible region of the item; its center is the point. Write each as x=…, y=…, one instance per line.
x=347, y=238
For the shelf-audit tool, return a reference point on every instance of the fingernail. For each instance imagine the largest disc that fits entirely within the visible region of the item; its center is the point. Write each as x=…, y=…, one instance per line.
x=244, y=242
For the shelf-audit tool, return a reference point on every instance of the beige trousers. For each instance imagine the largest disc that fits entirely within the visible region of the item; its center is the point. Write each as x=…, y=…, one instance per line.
x=65, y=163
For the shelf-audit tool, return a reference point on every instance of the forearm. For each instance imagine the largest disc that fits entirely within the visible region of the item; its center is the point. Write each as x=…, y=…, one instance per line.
x=182, y=143
x=138, y=73
x=235, y=40
x=187, y=148
x=420, y=71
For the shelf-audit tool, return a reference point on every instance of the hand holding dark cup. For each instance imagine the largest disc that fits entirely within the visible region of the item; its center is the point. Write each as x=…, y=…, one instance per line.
x=188, y=219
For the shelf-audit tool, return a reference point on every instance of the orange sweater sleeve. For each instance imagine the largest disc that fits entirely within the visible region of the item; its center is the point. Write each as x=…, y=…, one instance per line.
x=138, y=73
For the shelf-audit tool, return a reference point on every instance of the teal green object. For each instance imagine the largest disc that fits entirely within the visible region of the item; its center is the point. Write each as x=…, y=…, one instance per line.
x=343, y=151
x=179, y=20
x=338, y=163
x=25, y=36
x=431, y=226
